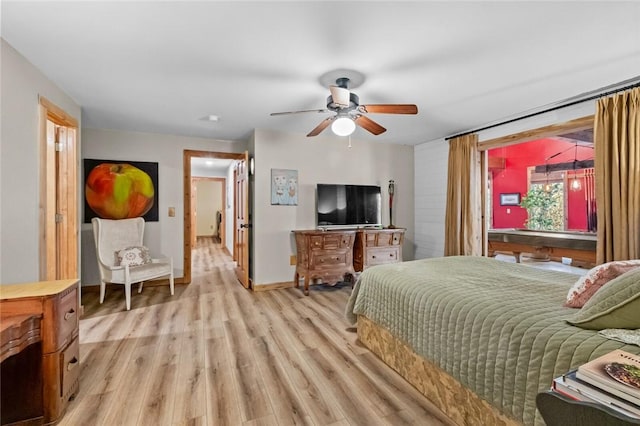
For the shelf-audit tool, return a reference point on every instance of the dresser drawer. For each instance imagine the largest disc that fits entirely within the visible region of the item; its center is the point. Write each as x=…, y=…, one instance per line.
x=382, y=255
x=397, y=238
x=70, y=369
x=67, y=318
x=383, y=239
x=316, y=242
x=329, y=260
x=62, y=312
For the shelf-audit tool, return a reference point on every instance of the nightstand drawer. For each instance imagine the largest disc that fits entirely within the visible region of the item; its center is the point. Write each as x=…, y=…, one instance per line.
x=383, y=255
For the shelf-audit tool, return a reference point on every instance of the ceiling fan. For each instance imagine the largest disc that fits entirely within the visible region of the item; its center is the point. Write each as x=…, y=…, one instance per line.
x=350, y=113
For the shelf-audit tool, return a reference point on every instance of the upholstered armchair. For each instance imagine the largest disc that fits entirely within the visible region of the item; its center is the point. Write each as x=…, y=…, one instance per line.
x=122, y=258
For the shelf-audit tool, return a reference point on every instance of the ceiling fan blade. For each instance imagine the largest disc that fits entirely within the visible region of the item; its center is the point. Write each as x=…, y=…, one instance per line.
x=340, y=96
x=320, y=127
x=369, y=125
x=299, y=112
x=389, y=109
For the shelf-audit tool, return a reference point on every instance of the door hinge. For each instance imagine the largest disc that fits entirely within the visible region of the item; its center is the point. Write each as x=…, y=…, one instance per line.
x=59, y=146
x=59, y=218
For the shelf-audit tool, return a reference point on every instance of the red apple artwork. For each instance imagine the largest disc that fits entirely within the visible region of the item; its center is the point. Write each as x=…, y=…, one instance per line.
x=119, y=191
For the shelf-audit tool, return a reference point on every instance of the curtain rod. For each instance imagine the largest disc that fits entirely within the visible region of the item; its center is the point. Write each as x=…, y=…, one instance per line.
x=636, y=83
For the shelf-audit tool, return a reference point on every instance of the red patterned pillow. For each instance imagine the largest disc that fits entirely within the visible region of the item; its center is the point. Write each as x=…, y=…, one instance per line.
x=587, y=285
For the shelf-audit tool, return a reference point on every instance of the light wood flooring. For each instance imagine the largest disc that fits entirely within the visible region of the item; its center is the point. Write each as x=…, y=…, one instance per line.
x=217, y=354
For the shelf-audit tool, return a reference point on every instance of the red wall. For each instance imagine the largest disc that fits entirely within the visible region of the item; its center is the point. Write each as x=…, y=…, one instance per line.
x=513, y=178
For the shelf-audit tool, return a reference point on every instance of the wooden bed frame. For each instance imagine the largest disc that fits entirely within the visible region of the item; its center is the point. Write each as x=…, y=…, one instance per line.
x=457, y=402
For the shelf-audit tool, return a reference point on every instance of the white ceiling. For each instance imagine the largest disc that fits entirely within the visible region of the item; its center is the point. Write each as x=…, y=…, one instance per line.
x=163, y=66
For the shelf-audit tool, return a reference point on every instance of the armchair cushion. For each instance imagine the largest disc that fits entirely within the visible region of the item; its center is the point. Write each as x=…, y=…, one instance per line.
x=133, y=256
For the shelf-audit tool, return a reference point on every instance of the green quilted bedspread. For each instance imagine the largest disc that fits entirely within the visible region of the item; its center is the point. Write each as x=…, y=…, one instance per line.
x=497, y=327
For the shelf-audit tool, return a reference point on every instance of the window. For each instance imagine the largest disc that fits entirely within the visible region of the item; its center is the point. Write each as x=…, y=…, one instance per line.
x=554, y=177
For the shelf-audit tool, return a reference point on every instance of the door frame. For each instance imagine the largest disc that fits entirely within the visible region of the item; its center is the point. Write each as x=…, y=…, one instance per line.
x=55, y=198
x=186, y=166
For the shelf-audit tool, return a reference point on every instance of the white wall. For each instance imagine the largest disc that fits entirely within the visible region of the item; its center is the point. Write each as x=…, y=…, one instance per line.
x=205, y=171
x=208, y=203
x=431, y=160
x=430, y=174
x=165, y=236
x=21, y=85
x=323, y=159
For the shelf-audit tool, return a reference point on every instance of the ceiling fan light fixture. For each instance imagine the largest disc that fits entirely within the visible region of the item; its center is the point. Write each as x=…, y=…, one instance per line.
x=343, y=126
x=340, y=96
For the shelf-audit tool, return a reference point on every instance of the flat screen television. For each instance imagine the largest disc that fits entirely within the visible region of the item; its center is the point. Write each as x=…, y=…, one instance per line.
x=348, y=205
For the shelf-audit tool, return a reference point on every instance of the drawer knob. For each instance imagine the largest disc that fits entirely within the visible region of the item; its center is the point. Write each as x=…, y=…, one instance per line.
x=373, y=257
x=72, y=364
x=390, y=254
x=71, y=313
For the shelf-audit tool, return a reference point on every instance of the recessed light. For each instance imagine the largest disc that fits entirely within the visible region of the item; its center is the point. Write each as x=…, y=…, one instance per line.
x=211, y=118
x=209, y=162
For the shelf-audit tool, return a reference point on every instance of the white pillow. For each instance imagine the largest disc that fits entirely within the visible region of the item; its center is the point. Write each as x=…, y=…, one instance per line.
x=598, y=276
x=133, y=256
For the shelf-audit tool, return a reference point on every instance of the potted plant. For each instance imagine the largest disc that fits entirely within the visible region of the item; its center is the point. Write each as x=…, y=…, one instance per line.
x=544, y=208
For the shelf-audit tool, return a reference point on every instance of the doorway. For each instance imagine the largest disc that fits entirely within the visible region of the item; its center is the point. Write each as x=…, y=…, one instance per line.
x=58, y=193
x=227, y=165
x=209, y=207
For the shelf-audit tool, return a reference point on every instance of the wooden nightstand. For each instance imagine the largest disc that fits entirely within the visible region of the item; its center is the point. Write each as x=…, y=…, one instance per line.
x=377, y=247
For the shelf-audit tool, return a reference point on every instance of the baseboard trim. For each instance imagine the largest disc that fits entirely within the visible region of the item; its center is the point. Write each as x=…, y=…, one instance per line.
x=273, y=286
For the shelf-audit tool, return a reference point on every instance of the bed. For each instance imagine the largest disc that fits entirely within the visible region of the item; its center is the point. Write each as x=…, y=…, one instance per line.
x=479, y=337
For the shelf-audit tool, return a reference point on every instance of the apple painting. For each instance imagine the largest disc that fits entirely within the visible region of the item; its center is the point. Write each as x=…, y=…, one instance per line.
x=119, y=191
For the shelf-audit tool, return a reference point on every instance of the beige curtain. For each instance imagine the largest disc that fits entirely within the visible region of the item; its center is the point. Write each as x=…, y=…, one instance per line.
x=617, y=169
x=463, y=226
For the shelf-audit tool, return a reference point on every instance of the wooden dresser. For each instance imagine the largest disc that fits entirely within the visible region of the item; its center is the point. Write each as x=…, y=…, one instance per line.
x=377, y=246
x=54, y=305
x=324, y=255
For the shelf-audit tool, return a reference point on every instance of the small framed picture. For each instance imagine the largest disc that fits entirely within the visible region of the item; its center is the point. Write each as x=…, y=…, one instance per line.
x=511, y=199
x=284, y=187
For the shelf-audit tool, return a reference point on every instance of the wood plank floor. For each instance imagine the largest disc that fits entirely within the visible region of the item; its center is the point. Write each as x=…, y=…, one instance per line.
x=218, y=354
